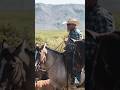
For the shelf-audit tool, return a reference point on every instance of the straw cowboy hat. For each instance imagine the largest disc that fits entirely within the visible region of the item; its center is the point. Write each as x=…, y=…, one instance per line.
x=72, y=21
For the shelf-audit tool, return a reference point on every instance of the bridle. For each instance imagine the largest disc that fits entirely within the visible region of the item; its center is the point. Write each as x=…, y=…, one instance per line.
x=46, y=56
x=8, y=59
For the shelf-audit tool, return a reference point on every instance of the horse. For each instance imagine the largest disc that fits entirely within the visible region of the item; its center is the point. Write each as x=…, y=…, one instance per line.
x=105, y=73
x=79, y=56
x=53, y=62
x=16, y=68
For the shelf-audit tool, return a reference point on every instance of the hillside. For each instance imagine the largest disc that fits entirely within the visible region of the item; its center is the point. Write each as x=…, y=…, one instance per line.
x=49, y=16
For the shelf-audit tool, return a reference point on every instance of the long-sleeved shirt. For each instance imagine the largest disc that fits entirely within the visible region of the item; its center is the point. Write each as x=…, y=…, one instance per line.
x=74, y=34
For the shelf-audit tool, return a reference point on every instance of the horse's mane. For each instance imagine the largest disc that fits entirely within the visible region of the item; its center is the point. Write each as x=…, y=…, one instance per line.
x=51, y=50
x=54, y=51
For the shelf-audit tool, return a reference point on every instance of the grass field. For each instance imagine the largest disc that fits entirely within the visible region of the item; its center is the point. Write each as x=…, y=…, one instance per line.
x=53, y=38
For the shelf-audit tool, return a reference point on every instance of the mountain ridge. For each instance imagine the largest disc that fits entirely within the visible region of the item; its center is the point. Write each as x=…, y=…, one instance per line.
x=49, y=16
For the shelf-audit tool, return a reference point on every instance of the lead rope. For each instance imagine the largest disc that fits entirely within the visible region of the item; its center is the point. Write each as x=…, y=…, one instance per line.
x=59, y=45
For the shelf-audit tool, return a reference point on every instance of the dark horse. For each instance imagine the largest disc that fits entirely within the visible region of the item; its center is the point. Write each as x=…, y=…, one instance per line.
x=16, y=68
x=53, y=62
x=79, y=56
x=105, y=74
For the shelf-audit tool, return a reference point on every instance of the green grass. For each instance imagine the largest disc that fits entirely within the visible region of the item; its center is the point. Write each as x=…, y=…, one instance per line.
x=53, y=38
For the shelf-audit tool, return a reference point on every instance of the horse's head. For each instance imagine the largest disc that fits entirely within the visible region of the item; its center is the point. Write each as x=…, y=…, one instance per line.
x=10, y=54
x=43, y=53
x=13, y=63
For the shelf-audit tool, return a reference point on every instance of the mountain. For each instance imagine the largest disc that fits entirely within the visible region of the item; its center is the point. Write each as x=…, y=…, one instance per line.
x=48, y=16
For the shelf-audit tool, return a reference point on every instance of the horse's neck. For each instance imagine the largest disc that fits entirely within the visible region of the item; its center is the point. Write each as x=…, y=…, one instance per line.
x=57, y=71
x=53, y=58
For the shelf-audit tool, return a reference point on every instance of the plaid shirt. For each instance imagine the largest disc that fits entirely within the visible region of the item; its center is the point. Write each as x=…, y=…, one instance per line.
x=98, y=20
x=74, y=34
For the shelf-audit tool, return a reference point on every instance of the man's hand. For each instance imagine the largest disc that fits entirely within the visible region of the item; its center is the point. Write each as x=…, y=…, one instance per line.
x=66, y=40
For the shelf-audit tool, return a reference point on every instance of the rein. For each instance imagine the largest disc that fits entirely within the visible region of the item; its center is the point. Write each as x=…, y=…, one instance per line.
x=59, y=45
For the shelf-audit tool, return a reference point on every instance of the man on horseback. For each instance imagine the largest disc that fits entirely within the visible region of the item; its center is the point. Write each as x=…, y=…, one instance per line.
x=74, y=34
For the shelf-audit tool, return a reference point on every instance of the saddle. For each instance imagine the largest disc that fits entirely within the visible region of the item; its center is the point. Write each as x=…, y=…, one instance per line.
x=75, y=63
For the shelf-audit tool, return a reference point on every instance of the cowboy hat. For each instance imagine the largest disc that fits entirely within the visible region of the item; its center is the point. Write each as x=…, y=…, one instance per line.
x=72, y=21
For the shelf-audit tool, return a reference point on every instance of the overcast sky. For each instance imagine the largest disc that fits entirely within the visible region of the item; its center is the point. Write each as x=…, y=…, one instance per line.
x=61, y=1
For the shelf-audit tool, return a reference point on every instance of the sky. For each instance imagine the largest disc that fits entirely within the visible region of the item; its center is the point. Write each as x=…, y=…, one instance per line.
x=61, y=1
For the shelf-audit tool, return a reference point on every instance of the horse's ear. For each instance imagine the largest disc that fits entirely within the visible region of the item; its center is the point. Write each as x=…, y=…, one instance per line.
x=44, y=48
x=18, y=49
x=4, y=44
x=24, y=45
x=45, y=45
x=21, y=47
